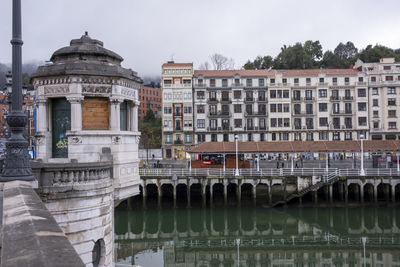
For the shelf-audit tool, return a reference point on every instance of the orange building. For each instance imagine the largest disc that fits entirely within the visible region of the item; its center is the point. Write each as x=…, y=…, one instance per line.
x=150, y=98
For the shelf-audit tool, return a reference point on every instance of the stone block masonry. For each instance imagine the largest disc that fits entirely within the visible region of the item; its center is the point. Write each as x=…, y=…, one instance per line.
x=31, y=236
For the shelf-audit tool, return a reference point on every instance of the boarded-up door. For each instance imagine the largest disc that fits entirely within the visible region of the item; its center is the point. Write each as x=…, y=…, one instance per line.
x=95, y=114
x=61, y=123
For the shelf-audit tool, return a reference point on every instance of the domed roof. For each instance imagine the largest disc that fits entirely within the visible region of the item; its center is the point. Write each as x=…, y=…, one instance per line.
x=85, y=47
x=86, y=56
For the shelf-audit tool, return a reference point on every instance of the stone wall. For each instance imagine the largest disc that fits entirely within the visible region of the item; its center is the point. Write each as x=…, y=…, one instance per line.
x=30, y=235
x=80, y=196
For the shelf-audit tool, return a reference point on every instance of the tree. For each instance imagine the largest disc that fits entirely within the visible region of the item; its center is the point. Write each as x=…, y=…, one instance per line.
x=204, y=66
x=149, y=117
x=259, y=63
x=330, y=60
x=346, y=51
x=221, y=62
x=374, y=54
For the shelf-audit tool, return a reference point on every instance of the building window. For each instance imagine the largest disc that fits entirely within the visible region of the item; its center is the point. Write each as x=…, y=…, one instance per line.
x=213, y=124
x=391, y=101
x=272, y=93
x=392, y=125
x=238, y=123
x=310, y=136
x=201, y=124
x=346, y=80
x=392, y=113
x=321, y=80
x=375, y=114
x=362, y=121
x=389, y=78
x=237, y=94
x=261, y=82
x=200, y=109
x=373, y=79
x=262, y=137
x=323, y=107
x=375, y=102
x=237, y=108
x=308, y=81
x=249, y=137
x=167, y=110
x=360, y=79
x=272, y=81
x=261, y=124
x=273, y=122
x=237, y=82
x=249, y=82
x=386, y=67
x=284, y=81
x=336, y=136
x=309, y=108
x=296, y=81
x=188, y=138
x=323, y=122
x=323, y=135
x=168, y=139
x=362, y=106
x=224, y=82
x=362, y=92
x=212, y=82
x=310, y=123
x=285, y=94
x=200, y=94
x=213, y=137
x=334, y=81
x=187, y=123
x=391, y=91
x=297, y=123
x=201, y=138
x=322, y=93
x=187, y=110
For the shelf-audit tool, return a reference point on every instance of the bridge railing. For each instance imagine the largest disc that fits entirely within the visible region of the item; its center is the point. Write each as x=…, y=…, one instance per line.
x=195, y=172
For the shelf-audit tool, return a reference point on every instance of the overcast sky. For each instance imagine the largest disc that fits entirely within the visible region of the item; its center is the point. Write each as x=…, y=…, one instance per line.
x=147, y=33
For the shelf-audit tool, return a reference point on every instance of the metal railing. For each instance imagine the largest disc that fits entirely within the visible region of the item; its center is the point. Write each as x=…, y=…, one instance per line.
x=230, y=173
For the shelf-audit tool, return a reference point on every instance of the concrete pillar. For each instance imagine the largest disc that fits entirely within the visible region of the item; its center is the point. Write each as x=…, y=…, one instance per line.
x=159, y=196
x=115, y=114
x=387, y=192
x=211, y=195
x=174, y=194
x=225, y=194
x=76, y=113
x=375, y=193
x=239, y=194
x=362, y=193
x=326, y=193
x=393, y=193
x=269, y=195
x=346, y=193
x=330, y=193
x=203, y=195
x=144, y=196
x=254, y=195
x=188, y=195
x=357, y=193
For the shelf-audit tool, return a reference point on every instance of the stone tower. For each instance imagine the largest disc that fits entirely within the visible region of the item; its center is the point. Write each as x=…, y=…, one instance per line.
x=87, y=142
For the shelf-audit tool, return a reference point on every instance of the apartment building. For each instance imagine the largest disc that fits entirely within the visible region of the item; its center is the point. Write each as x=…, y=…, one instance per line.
x=269, y=105
x=150, y=99
x=177, y=107
x=384, y=94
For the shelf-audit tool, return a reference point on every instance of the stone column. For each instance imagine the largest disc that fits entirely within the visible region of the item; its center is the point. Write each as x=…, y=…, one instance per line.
x=269, y=195
x=115, y=114
x=330, y=193
x=393, y=193
x=211, y=195
x=76, y=112
x=254, y=195
x=134, y=117
x=225, y=185
x=144, y=196
x=239, y=194
x=174, y=194
x=362, y=193
x=188, y=195
x=203, y=195
x=159, y=196
x=42, y=115
x=375, y=193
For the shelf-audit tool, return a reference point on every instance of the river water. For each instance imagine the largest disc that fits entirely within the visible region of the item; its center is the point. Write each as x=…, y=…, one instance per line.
x=346, y=236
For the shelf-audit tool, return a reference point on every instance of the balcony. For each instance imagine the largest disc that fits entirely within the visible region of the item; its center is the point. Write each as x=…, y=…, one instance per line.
x=303, y=113
x=178, y=129
x=342, y=112
x=348, y=98
x=348, y=126
x=177, y=114
x=219, y=114
x=212, y=101
x=200, y=85
x=335, y=98
x=249, y=99
x=259, y=113
x=309, y=98
x=262, y=99
x=178, y=142
x=297, y=99
x=237, y=85
x=249, y=128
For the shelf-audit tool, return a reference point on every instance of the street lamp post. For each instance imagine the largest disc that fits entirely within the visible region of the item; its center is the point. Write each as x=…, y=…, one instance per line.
x=362, y=171
x=16, y=163
x=237, y=160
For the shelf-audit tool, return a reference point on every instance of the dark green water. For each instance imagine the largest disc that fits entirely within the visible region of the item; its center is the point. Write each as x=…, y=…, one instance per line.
x=259, y=237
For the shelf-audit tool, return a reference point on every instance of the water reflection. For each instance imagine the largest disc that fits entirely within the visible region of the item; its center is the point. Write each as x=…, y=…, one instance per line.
x=267, y=237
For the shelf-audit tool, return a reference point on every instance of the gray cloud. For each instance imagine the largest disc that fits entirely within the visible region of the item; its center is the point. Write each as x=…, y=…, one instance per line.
x=147, y=33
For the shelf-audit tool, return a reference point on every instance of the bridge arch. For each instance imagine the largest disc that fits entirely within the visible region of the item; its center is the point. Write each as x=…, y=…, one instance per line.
x=232, y=190
x=167, y=194
x=217, y=193
x=354, y=192
x=152, y=194
x=384, y=192
x=181, y=194
x=262, y=194
x=246, y=192
x=196, y=196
